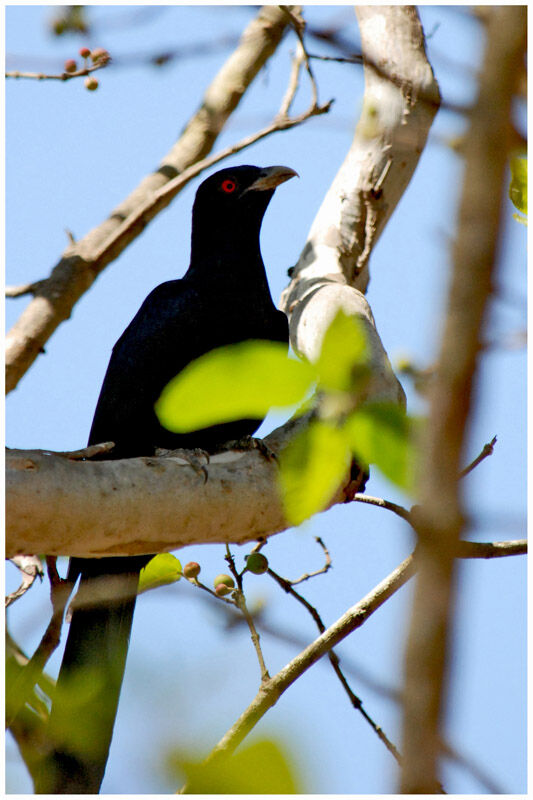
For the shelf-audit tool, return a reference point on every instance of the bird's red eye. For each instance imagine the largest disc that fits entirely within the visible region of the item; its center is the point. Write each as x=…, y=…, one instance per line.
x=228, y=186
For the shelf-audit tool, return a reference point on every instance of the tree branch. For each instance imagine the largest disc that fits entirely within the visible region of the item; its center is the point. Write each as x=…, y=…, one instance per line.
x=271, y=691
x=487, y=451
x=354, y=618
x=82, y=262
x=62, y=506
x=357, y=703
x=381, y=503
x=439, y=519
x=465, y=549
x=31, y=569
x=332, y=271
x=62, y=76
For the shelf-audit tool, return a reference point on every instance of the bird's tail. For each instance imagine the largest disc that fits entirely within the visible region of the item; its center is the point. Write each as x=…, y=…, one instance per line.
x=86, y=696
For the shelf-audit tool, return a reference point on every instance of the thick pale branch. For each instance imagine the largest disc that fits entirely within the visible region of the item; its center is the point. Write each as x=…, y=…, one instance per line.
x=63, y=506
x=399, y=104
x=83, y=261
x=139, y=505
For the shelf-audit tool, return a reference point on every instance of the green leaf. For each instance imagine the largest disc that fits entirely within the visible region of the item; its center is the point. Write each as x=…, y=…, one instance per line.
x=311, y=468
x=518, y=185
x=343, y=354
x=243, y=380
x=383, y=434
x=160, y=571
x=259, y=768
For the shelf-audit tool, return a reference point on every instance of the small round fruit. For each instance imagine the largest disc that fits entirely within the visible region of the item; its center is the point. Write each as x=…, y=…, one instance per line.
x=221, y=590
x=70, y=65
x=99, y=55
x=227, y=580
x=84, y=52
x=257, y=563
x=91, y=83
x=191, y=570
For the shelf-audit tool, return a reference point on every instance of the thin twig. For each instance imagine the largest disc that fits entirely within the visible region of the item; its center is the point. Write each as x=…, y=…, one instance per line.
x=298, y=24
x=292, y=87
x=240, y=602
x=26, y=288
x=356, y=702
x=321, y=571
x=403, y=512
x=488, y=450
x=352, y=619
x=63, y=76
x=356, y=59
x=272, y=690
x=477, y=772
x=381, y=503
x=30, y=568
x=60, y=590
x=200, y=585
x=89, y=452
x=234, y=620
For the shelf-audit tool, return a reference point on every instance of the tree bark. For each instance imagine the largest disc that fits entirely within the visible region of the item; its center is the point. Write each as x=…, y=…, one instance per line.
x=440, y=518
x=400, y=100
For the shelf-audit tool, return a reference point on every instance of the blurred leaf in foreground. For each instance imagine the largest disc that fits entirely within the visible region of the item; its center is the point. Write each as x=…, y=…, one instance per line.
x=258, y=768
x=383, y=434
x=311, y=468
x=241, y=381
x=343, y=355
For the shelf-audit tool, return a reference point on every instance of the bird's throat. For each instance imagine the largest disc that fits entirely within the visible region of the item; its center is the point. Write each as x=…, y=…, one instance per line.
x=233, y=255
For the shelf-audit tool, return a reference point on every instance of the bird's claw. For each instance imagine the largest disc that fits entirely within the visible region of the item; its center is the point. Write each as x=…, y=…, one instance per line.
x=250, y=443
x=192, y=457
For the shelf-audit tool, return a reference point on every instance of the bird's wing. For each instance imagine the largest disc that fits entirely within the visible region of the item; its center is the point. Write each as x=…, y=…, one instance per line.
x=155, y=346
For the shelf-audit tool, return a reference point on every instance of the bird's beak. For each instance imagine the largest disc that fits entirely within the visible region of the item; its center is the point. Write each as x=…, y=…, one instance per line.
x=270, y=178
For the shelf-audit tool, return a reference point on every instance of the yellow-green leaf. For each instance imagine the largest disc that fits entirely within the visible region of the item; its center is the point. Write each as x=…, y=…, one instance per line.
x=343, y=354
x=518, y=185
x=160, y=571
x=311, y=469
x=382, y=434
x=243, y=380
x=260, y=768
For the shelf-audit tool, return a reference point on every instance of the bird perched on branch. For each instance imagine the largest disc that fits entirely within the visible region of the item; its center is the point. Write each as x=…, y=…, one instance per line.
x=223, y=299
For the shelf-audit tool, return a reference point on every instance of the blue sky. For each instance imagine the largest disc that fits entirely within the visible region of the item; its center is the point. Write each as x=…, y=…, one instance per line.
x=72, y=156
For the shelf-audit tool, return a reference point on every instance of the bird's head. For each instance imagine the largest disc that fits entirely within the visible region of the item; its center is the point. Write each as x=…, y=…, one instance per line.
x=238, y=196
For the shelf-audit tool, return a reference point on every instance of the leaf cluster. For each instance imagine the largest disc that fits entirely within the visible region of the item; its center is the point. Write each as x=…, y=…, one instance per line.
x=248, y=379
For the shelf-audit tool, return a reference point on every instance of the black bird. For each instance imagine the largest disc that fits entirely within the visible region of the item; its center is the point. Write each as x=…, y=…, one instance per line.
x=223, y=298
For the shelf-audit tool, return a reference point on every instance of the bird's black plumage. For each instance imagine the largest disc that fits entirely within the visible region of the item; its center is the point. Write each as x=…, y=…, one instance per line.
x=222, y=299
